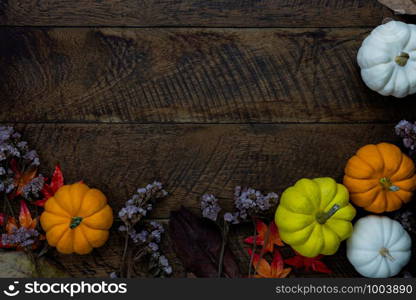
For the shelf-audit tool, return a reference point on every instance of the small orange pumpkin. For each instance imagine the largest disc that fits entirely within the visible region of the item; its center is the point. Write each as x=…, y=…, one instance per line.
x=380, y=178
x=77, y=219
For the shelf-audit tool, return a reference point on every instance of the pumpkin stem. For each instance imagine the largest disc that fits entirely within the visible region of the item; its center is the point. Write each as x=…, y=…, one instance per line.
x=386, y=253
x=322, y=217
x=388, y=185
x=402, y=59
x=75, y=222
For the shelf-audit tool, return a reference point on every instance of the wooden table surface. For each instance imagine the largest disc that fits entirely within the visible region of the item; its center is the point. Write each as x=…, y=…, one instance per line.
x=202, y=95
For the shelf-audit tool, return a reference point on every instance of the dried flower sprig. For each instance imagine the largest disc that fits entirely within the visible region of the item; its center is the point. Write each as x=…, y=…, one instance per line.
x=210, y=207
x=407, y=219
x=11, y=146
x=145, y=236
x=22, y=234
x=407, y=131
x=19, y=180
x=141, y=203
x=248, y=203
x=18, y=167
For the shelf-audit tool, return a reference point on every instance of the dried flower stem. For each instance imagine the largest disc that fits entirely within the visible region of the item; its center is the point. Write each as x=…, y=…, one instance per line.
x=262, y=252
x=123, y=258
x=225, y=230
x=9, y=206
x=253, y=249
x=139, y=255
x=149, y=238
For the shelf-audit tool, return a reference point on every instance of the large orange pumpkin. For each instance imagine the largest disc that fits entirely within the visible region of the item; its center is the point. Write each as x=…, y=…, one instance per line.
x=380, y=178
x=77, y=219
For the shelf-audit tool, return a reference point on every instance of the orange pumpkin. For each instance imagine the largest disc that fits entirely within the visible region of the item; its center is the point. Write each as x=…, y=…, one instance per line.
x=77, y=219
x=380, y=178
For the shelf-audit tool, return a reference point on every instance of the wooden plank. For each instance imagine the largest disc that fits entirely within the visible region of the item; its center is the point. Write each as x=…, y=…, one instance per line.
x=195, y=159
x=105, y=260
x=188, y=75
x=222, y=13
x=192, y=160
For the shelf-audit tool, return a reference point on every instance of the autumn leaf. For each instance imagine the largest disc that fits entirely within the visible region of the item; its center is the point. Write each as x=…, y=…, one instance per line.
x=197, y=243
x=21, y=179
x=57, y=179
x=265, y=270
x=17, y=264
x=314, y=264
x=25, y=218
x=264, y=232
x=50, y=189
x=3, y=219
x=11, y=225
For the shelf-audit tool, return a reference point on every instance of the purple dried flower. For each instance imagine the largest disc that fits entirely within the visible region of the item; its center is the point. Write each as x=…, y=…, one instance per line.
x=141, y=203
x=155, y=235
x=22, y=145
x=34, y=187
x=407, y=131
x=9, y=150
x=31, y=155
x=5, y=133
x=167, y=270
x=153, y=246
x=157, y=226
x=22, y=236
x=407, y=219
x=209, y=207
x=150, y=235
x=163, y=264
x=231, y=218
x=12, y=148
x=163, y=261
x=9, y=183
x=249, y=202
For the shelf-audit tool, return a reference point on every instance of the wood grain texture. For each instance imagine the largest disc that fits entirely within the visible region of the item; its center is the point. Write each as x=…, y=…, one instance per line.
x=195, y=159
x=105, y=260
x=219, y=13
x=188, y=75
x=192, y=160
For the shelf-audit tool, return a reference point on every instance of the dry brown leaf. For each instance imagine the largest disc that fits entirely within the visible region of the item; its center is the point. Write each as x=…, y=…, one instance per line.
x=406, y=7
x=16, y=264
x=197, y=244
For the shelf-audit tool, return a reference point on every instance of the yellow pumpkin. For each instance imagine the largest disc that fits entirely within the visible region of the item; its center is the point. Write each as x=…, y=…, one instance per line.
x=314, y=216
x=380, y=178
x=77, y=219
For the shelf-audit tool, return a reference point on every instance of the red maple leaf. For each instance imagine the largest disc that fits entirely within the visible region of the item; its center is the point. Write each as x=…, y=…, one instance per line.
x=269, y=233
x=50, y=189
x=21, y=179
x=308, y=263
x=25, y=220
x=266, y=270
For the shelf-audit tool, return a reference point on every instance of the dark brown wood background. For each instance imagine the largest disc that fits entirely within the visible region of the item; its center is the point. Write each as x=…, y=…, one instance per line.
x=202, y=95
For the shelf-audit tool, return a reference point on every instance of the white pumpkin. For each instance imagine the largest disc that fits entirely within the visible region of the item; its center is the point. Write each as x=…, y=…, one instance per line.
x=387, y=59
x=379, y=247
